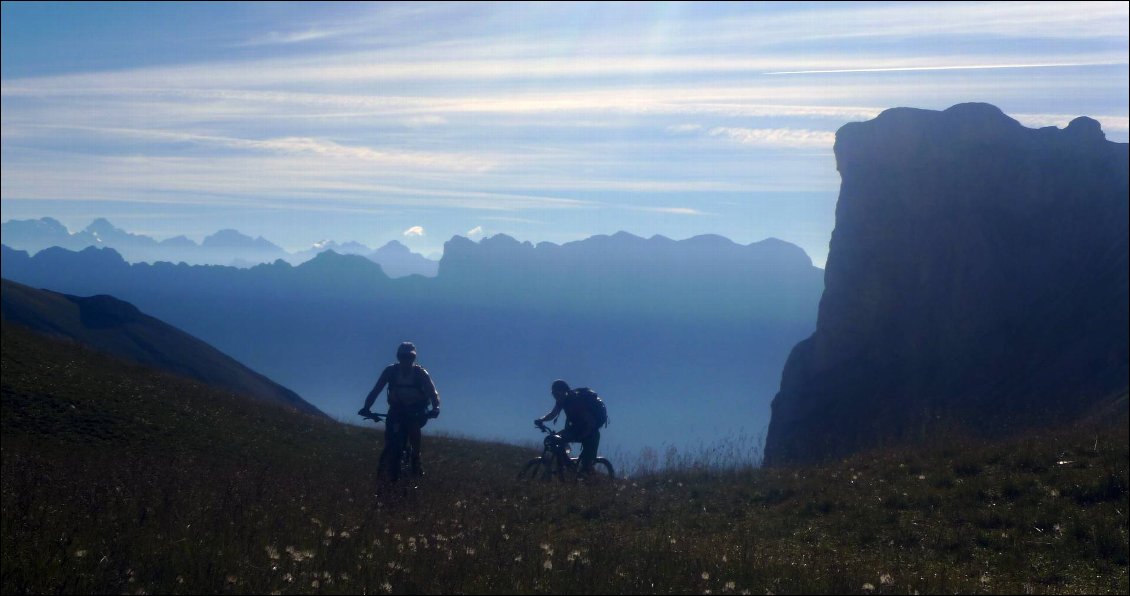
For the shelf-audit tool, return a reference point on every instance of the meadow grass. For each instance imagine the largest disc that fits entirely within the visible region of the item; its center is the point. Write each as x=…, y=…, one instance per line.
x=117, y=479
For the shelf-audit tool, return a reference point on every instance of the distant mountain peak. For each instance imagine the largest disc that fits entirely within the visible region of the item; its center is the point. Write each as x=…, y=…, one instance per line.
x=502, y=240
x=230, y=238
x=330, y=261
x=179, y=241
x=394, y=247
x=102, y=225
x=46, y=223
x=227, y=235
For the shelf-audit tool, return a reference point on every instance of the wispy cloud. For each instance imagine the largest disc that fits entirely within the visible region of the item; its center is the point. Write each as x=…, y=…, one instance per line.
x=949, y=67
x=666, y=210
x=781, y=137
x=475, y=231
x=467, y=162
x=673, y=98
x=291, y=37
x=846, y=22
x=426, y=120
x=264, y=181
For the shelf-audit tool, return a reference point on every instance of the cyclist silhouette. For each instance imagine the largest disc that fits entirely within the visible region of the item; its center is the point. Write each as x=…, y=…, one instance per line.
x=410, y=390
x=581, y=426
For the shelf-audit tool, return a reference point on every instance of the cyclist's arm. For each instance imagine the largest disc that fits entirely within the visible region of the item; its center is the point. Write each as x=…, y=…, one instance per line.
x=429, y=389
x=376, y=392
x=554, y=413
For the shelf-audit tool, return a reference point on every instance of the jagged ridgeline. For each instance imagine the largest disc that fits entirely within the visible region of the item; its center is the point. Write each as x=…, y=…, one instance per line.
x=976, y=283
x=225, y=247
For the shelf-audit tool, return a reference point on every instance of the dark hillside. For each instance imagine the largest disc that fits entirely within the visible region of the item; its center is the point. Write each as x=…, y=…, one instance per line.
x=120, y=479
x=120, y=329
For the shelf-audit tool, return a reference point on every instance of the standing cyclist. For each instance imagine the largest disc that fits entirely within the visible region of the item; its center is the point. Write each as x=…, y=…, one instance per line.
x=410, y=390
x=581, y=425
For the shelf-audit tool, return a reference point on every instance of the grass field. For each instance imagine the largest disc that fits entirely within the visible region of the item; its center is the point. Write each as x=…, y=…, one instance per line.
x=117, y=479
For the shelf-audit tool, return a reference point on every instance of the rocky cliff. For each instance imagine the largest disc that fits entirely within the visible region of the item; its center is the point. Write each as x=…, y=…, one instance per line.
x=976, y=283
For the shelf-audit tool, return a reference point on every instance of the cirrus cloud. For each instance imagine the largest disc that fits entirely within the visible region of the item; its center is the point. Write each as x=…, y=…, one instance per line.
x=780, y=137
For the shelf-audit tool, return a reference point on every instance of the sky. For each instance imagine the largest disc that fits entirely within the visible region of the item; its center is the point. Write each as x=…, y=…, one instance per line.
x=547, y=122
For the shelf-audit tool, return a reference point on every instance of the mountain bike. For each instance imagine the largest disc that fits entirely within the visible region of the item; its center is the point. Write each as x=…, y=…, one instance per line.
x=396, y=457
x=556, y=460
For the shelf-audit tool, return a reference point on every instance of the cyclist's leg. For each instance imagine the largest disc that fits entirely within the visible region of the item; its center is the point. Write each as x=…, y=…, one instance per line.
x=568, y=435
x=394, y=446
x=384, y=469
x=414, y=439
x=415, y=418
x=589, y=446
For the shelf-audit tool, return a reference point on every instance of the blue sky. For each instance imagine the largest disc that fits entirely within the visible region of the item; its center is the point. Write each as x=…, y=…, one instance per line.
x=548, y=122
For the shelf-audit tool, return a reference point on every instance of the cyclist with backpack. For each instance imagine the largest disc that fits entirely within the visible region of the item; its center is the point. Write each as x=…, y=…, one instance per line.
x=410, y=391
x=584, y=415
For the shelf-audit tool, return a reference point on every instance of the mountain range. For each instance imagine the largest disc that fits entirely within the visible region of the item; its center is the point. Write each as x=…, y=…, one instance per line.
x=225, y=247
x=685, y=339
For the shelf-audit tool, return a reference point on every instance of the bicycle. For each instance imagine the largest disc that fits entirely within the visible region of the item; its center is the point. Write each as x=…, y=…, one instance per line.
x=557, y=459
x=396, y=457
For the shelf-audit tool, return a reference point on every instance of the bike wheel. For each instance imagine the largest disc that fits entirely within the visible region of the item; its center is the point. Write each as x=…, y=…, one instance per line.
x=602, y=469
x=535, y=469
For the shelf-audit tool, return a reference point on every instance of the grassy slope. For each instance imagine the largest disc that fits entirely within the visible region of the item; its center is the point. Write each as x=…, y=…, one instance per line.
x=120, y=479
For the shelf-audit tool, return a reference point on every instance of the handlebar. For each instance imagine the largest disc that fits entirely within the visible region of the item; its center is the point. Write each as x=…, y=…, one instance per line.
x=380, y=417
x=546, y=429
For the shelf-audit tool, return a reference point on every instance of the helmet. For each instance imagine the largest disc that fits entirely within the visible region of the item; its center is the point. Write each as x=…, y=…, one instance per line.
x=406, y=351
x=559, y=386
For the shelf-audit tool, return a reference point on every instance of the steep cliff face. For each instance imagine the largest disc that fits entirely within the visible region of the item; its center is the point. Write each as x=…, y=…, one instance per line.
x=977, y=281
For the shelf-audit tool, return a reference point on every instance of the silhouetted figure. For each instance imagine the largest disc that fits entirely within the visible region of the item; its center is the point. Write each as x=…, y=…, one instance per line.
x=581, y=424
x=410, y=390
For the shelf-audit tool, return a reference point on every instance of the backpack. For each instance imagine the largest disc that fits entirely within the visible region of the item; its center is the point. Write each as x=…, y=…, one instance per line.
x=594, y=404
x=413, y=391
